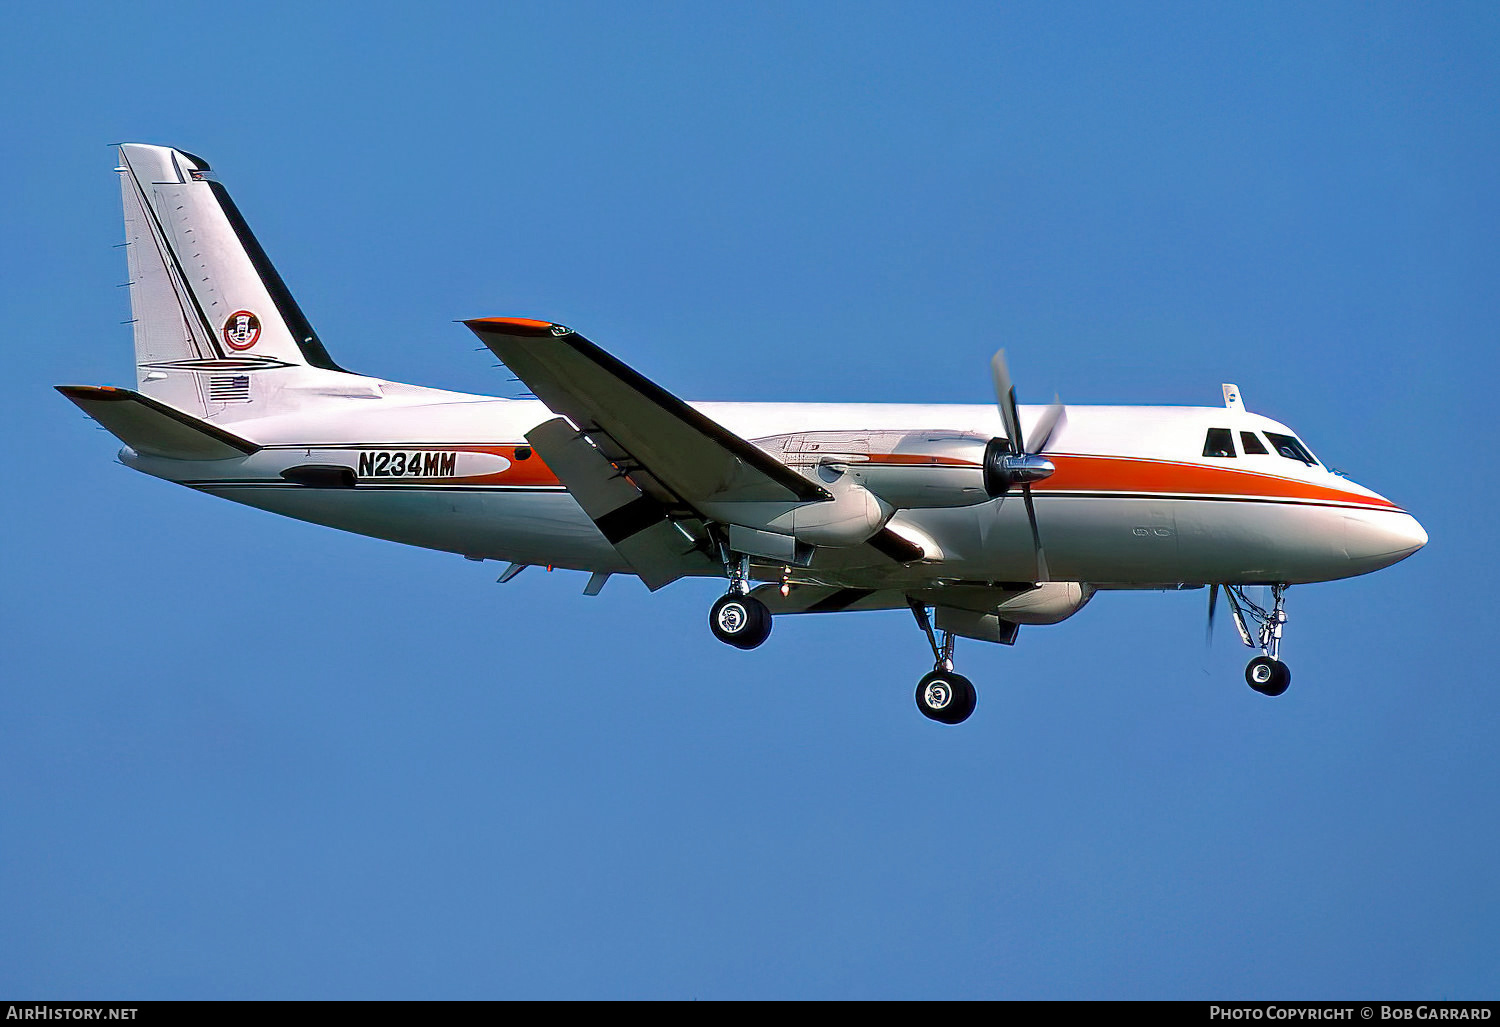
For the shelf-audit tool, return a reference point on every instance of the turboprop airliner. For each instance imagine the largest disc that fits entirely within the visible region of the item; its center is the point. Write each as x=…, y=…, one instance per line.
x=979, y=520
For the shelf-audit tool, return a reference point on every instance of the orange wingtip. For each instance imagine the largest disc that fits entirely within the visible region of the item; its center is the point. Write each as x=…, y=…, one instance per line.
x=93, y=392
x=518, y=325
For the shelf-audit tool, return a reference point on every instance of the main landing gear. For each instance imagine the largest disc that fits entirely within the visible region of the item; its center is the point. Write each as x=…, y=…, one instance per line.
x=942, y=695
x=738, y=618
x=1266, y=673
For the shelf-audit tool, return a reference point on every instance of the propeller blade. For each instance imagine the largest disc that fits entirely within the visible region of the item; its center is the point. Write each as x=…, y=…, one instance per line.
x=1036, y=536
x=1005, y=396
x=1053, y=418
x=1010, y=414
x=1213, y=603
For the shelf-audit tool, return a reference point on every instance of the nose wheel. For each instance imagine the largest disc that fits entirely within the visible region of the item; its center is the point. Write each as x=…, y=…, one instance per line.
x=1265, y=673
x=1268, y=676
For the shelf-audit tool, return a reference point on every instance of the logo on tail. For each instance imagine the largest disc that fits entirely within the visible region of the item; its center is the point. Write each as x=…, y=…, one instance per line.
x=241, y=330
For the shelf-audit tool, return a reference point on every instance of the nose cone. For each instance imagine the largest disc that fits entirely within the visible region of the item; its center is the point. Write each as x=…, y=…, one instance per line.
x=1376, y=539
x=1413, y=536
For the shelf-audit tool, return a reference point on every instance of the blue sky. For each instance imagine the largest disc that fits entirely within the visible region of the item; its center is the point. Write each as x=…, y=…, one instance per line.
x=248, y=757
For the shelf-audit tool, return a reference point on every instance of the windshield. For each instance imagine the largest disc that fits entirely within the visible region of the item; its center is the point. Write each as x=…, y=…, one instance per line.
x=1289, y=447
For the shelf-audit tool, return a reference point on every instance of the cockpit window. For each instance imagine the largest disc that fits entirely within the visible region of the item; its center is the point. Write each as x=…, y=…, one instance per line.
x=1219, y=443
x=1251, y=443
x=1290, y=448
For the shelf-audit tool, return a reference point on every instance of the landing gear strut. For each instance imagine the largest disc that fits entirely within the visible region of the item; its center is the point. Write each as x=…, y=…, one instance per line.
x=1266, y=673
x=942, y=695
x=738, y=618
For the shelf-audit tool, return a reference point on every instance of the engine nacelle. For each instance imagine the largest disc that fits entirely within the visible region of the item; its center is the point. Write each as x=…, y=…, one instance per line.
x=1048, y=603
x=993, y=614
x=911, y=470
x=872, y=474
x=851, y=517
x=923, y=470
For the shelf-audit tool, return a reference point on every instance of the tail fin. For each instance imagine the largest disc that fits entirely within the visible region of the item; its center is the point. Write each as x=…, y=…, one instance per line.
x=210, y=312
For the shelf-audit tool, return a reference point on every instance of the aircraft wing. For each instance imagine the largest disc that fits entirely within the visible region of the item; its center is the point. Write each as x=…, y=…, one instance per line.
x=677, y=455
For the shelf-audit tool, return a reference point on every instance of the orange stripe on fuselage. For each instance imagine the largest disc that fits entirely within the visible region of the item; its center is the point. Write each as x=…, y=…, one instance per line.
x=1133, y=475
x=531, y=471
x=1122, y=475
x=1138, y=475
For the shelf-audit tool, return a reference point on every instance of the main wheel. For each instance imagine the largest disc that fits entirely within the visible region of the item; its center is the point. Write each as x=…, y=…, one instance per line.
x=1268, y=676
x=741, y=621
x=946, y=697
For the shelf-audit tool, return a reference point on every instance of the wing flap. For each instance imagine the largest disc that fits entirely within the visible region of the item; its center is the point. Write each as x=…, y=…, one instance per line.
x=637, y=525
x=149, y=426
x=828, y=599
x=983, y=626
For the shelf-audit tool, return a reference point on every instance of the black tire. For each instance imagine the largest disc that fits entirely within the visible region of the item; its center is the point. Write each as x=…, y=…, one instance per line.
x=946, y=697
x=1268, y=676
x=740, y=621
x=1281, y=682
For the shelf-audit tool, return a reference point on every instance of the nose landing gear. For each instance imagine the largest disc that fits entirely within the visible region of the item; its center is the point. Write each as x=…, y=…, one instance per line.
x=1268, y=676
x=1266, y=673
x=942, y=695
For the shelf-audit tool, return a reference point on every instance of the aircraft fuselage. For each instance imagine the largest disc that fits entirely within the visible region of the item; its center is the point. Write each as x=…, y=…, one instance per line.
x=1132, y=503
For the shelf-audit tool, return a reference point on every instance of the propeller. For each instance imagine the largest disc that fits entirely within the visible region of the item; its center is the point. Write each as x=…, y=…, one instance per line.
x=1054, y=417
x=1022, y=466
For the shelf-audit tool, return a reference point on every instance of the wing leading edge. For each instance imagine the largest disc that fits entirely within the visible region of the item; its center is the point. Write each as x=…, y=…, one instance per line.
x=675, y=452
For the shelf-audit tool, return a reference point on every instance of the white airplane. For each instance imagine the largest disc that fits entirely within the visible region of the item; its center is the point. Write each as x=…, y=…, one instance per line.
x=976, y=519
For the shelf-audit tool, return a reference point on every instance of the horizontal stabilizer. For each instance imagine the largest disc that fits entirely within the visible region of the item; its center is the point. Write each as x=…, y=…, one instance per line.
x=151, y=427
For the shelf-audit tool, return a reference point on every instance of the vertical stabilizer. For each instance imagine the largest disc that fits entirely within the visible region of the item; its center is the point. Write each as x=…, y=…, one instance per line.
x=210, y=313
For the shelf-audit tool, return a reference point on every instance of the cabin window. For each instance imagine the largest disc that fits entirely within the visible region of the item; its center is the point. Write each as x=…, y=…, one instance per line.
x=1290, y=448
x=1250, y=442
x=1220, y=442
